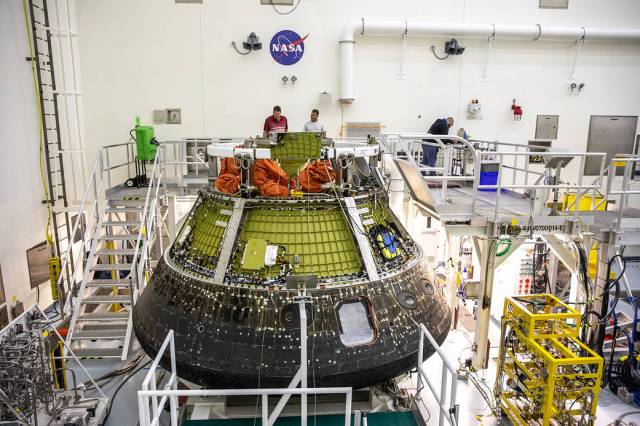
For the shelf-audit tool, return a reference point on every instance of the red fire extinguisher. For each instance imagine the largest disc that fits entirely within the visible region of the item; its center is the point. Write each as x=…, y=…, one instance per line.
x=517, y=111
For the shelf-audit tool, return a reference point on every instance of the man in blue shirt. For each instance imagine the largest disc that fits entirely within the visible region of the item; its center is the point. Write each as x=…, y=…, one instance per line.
x=429, y=152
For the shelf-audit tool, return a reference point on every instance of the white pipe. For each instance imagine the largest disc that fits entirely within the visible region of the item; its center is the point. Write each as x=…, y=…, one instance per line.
x=535, y=32
x=346, y=66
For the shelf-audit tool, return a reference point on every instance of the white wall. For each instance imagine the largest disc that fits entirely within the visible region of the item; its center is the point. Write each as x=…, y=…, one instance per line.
x=137, y=56
x=22, y=214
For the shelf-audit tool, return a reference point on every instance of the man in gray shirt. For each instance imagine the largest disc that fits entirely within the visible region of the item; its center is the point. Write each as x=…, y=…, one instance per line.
x=314, y=125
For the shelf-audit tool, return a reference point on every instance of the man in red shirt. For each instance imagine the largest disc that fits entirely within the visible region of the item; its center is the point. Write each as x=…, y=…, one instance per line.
x=276, y=123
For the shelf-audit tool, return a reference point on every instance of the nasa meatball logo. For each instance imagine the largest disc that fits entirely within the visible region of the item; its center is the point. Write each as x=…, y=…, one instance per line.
x=287, y=47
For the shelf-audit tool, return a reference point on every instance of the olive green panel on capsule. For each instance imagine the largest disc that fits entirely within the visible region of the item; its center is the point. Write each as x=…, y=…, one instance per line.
x=253, y=257
x=295, y=149
x=321, y=239
x=208, y=227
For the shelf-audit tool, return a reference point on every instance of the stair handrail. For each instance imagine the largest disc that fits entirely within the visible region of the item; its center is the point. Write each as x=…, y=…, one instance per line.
x=146, y=221
x=98, y=171
x=92, y=183
x=149, y=226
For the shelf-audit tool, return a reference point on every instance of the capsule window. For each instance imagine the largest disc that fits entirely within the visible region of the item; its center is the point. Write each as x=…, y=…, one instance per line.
x=356, y=325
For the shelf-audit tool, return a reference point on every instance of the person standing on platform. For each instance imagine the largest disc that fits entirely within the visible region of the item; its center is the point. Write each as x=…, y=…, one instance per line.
x=314, y=125
x=275, y=123
x=429, y=152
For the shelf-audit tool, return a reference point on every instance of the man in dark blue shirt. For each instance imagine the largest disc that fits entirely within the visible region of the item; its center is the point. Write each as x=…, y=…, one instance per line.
x=429, y=152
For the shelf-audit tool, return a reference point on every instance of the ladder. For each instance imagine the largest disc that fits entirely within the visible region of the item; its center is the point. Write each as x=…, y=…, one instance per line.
x=118, y=258
x=51, y=138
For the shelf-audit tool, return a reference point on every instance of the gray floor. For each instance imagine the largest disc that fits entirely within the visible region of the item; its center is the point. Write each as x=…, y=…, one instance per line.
x=124, y=409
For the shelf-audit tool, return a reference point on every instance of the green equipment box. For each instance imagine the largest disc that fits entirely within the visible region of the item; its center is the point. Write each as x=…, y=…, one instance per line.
x=145, y=149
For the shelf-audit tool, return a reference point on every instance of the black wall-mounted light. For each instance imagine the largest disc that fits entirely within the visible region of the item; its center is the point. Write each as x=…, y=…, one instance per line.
x=451, y=47
x=252, y=43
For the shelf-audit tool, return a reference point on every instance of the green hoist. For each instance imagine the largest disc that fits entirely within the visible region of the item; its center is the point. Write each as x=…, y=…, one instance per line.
x=146, y=149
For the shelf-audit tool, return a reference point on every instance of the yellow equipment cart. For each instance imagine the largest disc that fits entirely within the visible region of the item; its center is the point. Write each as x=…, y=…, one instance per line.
x=546, y=375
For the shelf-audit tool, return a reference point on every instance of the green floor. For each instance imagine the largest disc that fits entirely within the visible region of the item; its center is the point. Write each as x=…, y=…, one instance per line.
x=373, y=419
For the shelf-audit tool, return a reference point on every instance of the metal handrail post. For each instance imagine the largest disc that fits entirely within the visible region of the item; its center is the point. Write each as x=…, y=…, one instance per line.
x=154, y=401
x=611, y=173
x=624, y=196
x=128, y=152
x=449, y=411
x=454, y=395
x=515, y=165
x=600, y=179
x=95, y=185
x=303, y=361
x=420, y=358
x=446, y=168
x=347, y=408
x=180, y=168
x=476, y=179
x=579, y=191
x=106, y=151
x=499, y=188
x=143, y=401
x=443, y=392
x=176, y=150
x=265, y=409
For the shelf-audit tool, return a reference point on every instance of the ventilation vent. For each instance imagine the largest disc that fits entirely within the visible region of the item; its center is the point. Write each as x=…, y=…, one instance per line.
x=554, y=4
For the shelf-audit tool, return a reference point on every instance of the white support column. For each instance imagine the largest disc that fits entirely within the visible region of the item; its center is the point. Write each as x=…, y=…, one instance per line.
x=303, y=361
x=483, y=313
x=453, y=249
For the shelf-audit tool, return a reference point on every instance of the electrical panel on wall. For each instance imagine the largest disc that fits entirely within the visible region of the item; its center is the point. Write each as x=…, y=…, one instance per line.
x=547, y=127
x=38, y=264
x=613, y=134
x=554, y=4
x=167, y=116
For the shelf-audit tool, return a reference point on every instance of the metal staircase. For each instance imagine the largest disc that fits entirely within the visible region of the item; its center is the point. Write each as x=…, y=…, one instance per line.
x=116, y=248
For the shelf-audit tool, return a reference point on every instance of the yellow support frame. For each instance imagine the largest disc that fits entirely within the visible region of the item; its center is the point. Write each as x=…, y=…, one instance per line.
x=558, y=320
x=546, y=363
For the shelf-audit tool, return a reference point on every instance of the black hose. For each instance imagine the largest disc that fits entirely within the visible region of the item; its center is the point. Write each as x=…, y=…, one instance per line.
x=587, y=339
x=582, y=256
x=605, y=312
x=607, y=378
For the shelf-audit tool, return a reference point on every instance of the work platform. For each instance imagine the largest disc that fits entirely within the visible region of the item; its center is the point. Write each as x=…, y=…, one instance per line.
x=476, y=183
